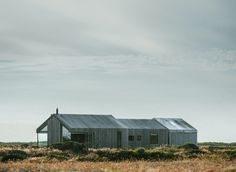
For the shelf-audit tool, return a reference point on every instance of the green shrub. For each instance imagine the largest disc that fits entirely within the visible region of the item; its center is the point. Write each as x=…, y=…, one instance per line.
x=38, y=154
x=231, y=154
x=140, y=153
x=191, y=150
x=160, y=155
x=75, y=147
x=189, y=146
x=121, y=154
x=125, y=155
x=193, y=153
x=14, y=155
x=136, y=154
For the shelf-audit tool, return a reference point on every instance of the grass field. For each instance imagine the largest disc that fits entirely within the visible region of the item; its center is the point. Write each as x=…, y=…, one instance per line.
x=203, y=158
x=183, y=165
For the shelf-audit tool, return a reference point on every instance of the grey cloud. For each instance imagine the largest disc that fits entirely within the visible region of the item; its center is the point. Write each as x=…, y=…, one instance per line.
x=115, y=28
x=43, y=31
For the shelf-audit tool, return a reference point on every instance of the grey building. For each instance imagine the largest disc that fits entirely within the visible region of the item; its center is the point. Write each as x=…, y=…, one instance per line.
x=145, y=132
x=98, y=131
x=179, y=131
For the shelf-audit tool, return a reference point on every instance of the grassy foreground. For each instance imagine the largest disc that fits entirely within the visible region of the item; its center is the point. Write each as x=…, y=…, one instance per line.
x=124, y=166
x=69, y=158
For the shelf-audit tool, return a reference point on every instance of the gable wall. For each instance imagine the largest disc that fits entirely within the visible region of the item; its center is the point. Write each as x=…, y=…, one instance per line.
x=54, y=131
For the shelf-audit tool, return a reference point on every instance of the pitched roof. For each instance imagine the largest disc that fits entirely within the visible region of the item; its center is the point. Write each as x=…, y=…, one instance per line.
x=141, y=123
x=176, y=124
x=75, y=121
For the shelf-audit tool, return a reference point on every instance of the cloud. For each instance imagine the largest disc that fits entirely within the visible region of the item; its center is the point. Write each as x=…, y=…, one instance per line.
x=118, y=35
x=114, y=28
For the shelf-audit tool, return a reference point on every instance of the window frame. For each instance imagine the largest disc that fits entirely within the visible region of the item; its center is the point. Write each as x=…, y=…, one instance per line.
x=153, y=141
x=131, y=138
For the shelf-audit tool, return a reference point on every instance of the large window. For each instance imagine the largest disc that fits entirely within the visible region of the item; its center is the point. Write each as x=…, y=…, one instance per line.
x=153, y=139
x=66, y=135
x=131, y=138
x=81, y=137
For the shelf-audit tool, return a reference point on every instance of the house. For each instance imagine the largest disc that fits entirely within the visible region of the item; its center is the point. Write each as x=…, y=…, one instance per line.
x=98, y=131
x=179, y=131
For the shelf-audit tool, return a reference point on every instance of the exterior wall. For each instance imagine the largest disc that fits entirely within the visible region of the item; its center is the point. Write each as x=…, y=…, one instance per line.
x=54, y=131
x=104, y=138
x=180, y=138
x=145, y=140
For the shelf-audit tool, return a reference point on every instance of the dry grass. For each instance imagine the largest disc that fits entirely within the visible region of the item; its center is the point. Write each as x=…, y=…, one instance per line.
x=124, y=166
x=212, y=160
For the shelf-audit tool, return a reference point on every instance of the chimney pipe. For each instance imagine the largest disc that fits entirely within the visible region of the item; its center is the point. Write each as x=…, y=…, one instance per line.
x=56, y=111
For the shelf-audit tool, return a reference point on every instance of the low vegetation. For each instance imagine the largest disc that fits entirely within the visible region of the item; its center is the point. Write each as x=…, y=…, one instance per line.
x=77, y=153
x=14, y=155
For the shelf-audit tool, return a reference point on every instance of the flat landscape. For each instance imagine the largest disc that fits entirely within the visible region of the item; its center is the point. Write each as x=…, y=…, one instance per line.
x=62, y=158
x=182, y=165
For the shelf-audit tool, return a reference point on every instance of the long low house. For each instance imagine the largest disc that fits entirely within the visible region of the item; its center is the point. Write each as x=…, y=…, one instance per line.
x=100, y=131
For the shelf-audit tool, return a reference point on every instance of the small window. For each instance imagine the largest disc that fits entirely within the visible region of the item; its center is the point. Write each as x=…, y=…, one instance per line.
x=153, y=139
x=131, y=138
x=139, y=138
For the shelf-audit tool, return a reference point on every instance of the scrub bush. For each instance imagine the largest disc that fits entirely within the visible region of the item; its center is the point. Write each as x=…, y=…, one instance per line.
x=189, y=146
x=14, y=155
x=75, y=147
x=136, y=154
x=231, y=154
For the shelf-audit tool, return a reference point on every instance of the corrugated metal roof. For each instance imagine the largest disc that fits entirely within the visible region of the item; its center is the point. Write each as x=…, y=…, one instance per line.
x=175, y=124
x=82, y=121
x=141, y=123
x=89, y=121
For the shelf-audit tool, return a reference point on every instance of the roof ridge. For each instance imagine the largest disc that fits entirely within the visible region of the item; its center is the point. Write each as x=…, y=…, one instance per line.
x=86, y=114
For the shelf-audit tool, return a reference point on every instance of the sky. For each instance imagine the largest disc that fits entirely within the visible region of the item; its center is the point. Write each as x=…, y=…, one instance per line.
x=128, y=58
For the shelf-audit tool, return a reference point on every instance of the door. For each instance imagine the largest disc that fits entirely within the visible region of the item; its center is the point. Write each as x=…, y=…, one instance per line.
x=119, y=140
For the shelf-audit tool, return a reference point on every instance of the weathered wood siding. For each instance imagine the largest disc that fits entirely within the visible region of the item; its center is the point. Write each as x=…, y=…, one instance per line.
x=104, y=138
x=54, y=131
x=145, y=137
x=180, y=138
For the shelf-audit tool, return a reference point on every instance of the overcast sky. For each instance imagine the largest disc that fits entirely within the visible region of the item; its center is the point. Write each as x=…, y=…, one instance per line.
x=129, y=58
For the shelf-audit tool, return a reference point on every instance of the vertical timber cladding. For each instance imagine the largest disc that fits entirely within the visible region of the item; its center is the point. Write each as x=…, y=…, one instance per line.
x=181, y=137
x=162, y=137
x=144, y=141
x=98, y=137
x=107, y=137
x=54, y=130
x=134, y=134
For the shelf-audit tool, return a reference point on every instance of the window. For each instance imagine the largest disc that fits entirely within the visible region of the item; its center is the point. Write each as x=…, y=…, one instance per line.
x=139, y=137
x=81, y=138
x=153, y=139
x=66, y=135
x=131, y=138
